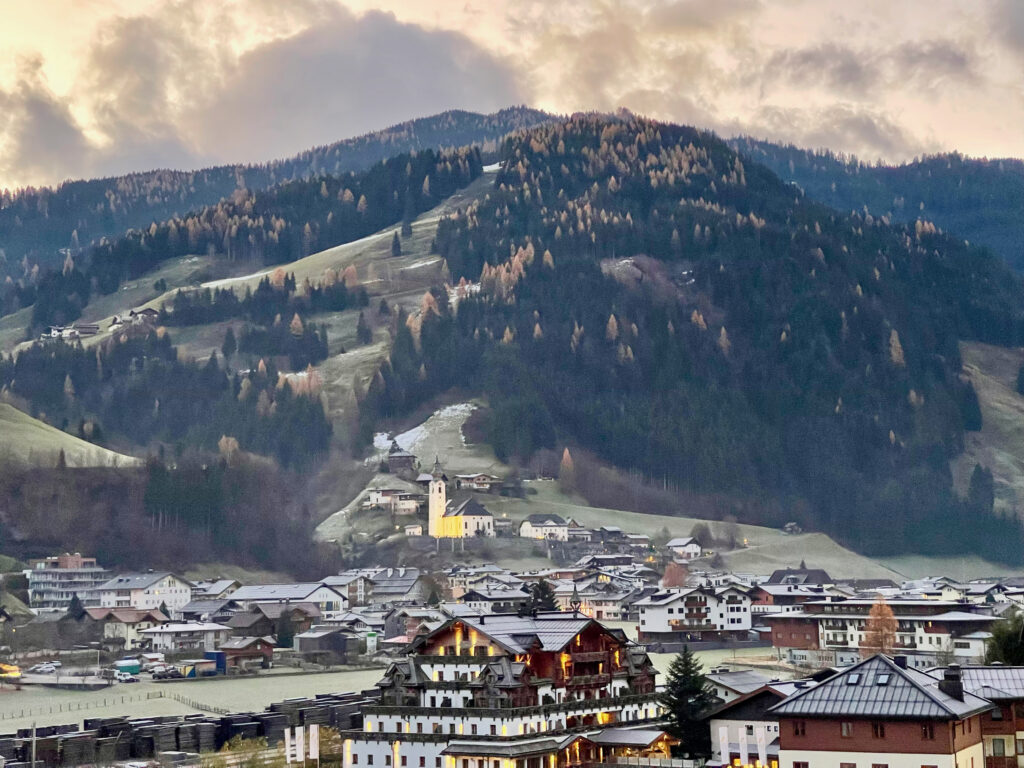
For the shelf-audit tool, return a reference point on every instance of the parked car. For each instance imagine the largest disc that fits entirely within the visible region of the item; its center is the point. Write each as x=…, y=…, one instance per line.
x=168, y=674
x=125, y=677
x=45, y=668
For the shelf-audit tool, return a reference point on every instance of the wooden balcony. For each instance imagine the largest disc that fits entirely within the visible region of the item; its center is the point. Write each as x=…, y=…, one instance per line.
x=682, y=624
x=585, y=657
x=577, y=680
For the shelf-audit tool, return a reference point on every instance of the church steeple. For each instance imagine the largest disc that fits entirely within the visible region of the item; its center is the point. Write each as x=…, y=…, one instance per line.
x=437, y=472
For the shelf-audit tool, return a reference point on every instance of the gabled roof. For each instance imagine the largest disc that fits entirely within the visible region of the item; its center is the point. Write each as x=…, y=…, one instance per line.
x=274, y=610
x=137, y=580
x=682, y=542
x=739, y=680
x=541, y=519
x=271, y=592
x=862, y=690
x=553, y=631
x=468, y=507
x=800, y=576
x=126, y=615
x=994, y=683
x=241, y=643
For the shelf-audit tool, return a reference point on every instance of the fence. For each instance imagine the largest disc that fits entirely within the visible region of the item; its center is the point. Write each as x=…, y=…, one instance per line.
x=76, y=706
x=110, y=701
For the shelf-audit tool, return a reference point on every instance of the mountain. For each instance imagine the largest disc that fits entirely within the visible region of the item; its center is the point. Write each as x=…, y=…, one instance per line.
x=642, y=290
x=37, y=223
x=978, y=199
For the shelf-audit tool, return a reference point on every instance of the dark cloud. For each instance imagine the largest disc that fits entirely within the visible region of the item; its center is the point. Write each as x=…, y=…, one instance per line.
x=1008, y=23
x=699, y=15
x=348, y=75
x=830, y=65
x=165, y=91
x=39, y=136
x=870, y=133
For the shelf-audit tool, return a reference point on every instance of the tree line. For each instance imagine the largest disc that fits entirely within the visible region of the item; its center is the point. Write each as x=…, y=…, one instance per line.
x=683, y=313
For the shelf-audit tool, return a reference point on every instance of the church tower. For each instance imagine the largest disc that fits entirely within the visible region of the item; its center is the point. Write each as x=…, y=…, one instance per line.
x=437, y=500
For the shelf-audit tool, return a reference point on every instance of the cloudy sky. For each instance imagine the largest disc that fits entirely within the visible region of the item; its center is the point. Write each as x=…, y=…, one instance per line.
x=90, y=87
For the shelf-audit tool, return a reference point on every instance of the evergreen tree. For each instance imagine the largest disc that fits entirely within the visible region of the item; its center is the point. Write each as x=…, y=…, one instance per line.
x=970, y=409
x=687, y=698
x=75, y=608
x=164, y=610
x=981, y=492
x=62, y=460
x=396, y=245
x=1006, y=645
x=1020, y=380
x=542, y=597
x=230, y=345
x=363, y=333
x=285, y=629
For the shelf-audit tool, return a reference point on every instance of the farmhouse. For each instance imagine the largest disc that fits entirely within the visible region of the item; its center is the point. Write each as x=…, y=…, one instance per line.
x=544, y=526
x=685, y=548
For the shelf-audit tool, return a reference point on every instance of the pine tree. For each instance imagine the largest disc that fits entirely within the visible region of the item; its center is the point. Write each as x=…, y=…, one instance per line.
x=542, y=597
x=363, y=333
x=686, y=699
x=1006, y=645
x=880, y=631
x=981, y=492
x=285, y=629
x=75, y=608
x=62, y=460
x=164, y=610
x=230, y=345
x=396, y=245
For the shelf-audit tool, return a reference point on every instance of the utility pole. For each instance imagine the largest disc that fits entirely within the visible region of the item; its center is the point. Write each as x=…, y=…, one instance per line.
x=33, y=744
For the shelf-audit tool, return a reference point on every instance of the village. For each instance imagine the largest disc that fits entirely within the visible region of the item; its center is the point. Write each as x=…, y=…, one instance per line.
x=556, y=666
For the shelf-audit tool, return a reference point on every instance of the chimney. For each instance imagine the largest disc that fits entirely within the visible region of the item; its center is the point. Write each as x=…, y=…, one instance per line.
x=951, y=683
x=900, y=661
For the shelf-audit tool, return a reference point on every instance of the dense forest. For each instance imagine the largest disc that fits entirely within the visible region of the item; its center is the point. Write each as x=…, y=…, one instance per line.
x=643, y=290
x=165, y=515
x=978, y=199
x=136, y=388
x=277, y=225
x=36, y=224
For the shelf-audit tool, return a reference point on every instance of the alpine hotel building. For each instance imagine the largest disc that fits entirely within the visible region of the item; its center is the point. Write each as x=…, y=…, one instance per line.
x=550, y=690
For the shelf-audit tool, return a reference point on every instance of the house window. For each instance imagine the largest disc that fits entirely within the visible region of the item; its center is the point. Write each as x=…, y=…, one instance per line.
x=1020, y=746
x=472, y=729
x=423, y=762
x=750, y=730
x=387, y=759
x=847, y=765
x=846, y=730
x=369, y=759
x=998, y=748
x=997, y=714
x=878, y=730
x=437, y=762
x=879, y=765
x=419, y=727
x=800, y=764
x=405, y=760
x=799, y=729
x=928, y=731
x=355, y=758
x=494, y=730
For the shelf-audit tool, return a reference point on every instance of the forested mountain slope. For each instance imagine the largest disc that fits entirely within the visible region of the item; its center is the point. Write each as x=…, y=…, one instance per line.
x=688, y=314
x=36, y=223
x=978, y=199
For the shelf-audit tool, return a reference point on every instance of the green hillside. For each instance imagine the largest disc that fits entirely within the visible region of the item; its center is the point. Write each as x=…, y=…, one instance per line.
x=979, y=199
x=687, y=315
x=30, y=442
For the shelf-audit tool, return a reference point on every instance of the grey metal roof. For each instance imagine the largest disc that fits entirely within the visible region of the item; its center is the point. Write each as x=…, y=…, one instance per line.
x=632, y=737
x=740, y=680
x=136, y=580
x=857, y=692
x=275, y=592
x=539, y=518
x=468, y=507
x=993, y=683
x=517, y=633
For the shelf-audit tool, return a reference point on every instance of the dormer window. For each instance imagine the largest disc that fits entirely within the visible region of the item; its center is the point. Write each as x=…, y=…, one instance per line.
x=853, y=678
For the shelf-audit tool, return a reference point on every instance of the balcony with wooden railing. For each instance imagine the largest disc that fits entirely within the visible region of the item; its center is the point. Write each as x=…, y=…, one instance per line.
x=587, y=657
